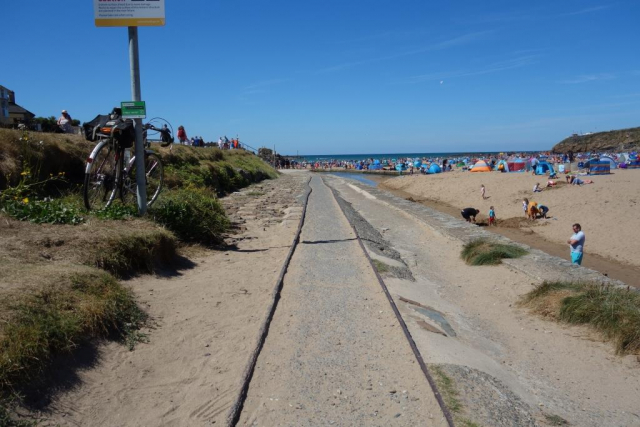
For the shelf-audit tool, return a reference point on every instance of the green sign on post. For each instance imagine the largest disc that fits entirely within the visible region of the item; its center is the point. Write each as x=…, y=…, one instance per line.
x=133, y=110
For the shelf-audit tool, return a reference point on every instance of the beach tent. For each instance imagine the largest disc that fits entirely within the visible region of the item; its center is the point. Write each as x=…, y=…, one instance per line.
x=375, y=167
x=601, y=167
x=544, y=167
x=417, y=163
x=587, y=164
x=622, y=158
x=481, y=166
x=504, y=164
x=517, y=165
x=434, y=168
x=401, y=167
x=612, y=163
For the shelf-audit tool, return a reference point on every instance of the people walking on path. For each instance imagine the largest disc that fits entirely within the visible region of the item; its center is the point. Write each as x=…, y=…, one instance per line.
x=576, y=242
x=182, y=135
x=64, y=122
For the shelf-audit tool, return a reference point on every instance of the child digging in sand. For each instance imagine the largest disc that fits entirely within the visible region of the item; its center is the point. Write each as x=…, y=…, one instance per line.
x=492, y=216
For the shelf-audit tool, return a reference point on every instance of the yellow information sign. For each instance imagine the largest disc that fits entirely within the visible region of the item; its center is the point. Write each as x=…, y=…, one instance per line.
x=128, y=13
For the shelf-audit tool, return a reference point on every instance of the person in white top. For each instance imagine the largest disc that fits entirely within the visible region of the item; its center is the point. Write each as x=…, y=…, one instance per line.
x=64, y=122
x=576, y=242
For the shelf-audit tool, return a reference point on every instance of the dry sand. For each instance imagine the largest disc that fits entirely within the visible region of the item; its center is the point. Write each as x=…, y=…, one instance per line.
x=606, y=209
x=206, y=321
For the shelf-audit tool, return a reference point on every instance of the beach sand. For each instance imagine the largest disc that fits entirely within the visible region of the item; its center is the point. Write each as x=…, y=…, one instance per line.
x=607, y=209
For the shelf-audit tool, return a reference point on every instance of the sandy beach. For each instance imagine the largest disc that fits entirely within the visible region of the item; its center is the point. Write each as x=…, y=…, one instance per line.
x=606, y=209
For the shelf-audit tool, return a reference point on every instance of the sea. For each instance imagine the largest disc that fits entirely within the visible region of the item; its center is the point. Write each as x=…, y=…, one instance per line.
x=394, y=156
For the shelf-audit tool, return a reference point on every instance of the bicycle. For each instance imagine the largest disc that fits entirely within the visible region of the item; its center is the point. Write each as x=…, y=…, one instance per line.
x=110, y=170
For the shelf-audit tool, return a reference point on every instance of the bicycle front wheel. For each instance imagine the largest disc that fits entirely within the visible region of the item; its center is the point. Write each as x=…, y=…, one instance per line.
x=154, y=179
x=100, y=176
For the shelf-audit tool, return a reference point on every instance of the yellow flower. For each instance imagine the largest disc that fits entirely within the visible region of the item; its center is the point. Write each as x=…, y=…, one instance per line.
x=25, y=200
x=23, y=173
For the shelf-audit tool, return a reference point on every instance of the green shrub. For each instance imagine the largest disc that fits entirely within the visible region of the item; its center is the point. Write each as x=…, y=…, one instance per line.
x=117, y=211
x=195, y=215
x=42, y=211
x=486, y=252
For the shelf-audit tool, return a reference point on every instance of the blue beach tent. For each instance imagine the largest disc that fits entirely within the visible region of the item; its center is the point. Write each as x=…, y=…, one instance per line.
x=544, y=167
x=434, y=168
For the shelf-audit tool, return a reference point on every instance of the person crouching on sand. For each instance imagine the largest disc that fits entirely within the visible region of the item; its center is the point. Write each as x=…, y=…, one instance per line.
x=492, y=216
x=469, y=213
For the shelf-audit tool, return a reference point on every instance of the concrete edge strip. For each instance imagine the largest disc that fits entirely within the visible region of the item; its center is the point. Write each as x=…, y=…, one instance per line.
x=407, y=334
x=236, y=409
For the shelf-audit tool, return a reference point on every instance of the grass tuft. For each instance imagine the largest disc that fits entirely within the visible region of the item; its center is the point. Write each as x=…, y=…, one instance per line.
x=486, y=252
x=447, y=388
x=56, y=318
x=380, y=266
x=137, y=252
x=556, y=420
x=614, y=312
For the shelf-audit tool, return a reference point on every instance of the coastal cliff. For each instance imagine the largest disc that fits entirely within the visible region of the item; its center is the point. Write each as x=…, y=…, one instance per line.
x=614, y=140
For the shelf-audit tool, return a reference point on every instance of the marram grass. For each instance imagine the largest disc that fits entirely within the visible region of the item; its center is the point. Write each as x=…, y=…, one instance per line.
x=613, y=311
x=486, y=252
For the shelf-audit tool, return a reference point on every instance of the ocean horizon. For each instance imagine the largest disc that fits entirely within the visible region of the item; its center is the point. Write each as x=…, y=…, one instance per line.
x=379, y=156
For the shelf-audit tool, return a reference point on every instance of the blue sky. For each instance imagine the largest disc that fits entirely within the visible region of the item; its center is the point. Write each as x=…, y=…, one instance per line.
x=342, y=77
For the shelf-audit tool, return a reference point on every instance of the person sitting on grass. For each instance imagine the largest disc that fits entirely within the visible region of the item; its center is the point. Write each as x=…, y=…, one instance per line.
x=470, y=213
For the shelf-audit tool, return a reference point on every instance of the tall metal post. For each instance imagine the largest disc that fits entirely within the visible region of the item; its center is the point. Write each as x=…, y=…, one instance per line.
x=136, y=94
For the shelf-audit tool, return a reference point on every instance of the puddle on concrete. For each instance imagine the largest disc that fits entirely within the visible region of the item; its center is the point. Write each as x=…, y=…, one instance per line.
x=429, y=327
x=355, y=177
x=436, y=317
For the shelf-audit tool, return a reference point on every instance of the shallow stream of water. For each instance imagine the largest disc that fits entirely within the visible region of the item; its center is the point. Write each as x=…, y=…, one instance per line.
x=356, y=177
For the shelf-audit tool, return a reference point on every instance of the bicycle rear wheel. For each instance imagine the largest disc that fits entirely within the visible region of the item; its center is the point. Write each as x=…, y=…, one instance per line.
x=154, y=178
x=100, y=176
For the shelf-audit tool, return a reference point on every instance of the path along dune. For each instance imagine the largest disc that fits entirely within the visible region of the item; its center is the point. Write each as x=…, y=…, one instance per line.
x=606, y=209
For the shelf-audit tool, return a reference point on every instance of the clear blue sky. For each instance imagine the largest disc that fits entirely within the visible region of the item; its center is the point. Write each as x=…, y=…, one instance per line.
x=338, y=77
